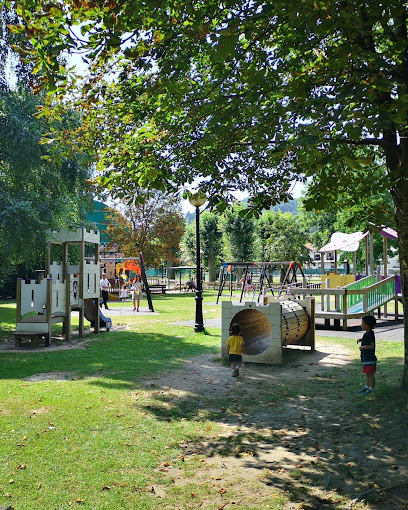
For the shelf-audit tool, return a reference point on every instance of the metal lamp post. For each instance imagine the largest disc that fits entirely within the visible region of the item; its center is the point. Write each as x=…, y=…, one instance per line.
x=197, y=199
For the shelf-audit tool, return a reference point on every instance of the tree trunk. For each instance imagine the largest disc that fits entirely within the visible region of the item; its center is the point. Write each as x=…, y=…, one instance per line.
x=211, y=267
x=400, y=196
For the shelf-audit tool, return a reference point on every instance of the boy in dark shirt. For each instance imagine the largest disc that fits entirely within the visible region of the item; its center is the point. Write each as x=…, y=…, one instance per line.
x=367, y=349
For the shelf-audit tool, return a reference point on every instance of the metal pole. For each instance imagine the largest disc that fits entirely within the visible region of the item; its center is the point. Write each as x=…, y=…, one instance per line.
x=199, y=321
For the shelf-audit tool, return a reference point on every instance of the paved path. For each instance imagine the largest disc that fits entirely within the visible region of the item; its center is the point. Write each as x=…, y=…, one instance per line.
x=386, y=329
x=128, y=310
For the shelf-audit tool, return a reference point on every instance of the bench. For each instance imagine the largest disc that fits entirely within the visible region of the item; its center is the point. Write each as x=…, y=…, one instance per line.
x=157, y=287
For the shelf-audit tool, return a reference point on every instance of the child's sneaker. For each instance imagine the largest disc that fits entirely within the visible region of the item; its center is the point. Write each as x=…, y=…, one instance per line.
x=236, y=372
x=363, y=390
x=367, y=391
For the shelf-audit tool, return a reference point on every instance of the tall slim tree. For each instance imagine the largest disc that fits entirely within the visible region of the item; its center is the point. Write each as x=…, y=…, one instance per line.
x=239, y=234
x=210, y=240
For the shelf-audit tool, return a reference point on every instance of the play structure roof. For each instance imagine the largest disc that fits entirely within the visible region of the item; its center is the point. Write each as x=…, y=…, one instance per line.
x=389, y=232
x=344, y=241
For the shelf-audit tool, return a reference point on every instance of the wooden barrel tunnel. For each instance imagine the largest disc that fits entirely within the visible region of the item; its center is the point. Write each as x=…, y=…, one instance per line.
x=257, y=331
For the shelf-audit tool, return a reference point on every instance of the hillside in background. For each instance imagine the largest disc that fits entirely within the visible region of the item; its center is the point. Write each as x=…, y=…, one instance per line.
x=290, y=207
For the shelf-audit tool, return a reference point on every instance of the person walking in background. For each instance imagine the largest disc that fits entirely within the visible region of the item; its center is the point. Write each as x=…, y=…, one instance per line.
x=367, y=350
x=136, y=292
x=104, y=284
x=235, y=349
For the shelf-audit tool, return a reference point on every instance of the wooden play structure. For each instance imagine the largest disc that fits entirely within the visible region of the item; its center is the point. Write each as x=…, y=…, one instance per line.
x=268, y=329
x=262, y=277
x=60, y=289
x=351, y=301
x=343, y=297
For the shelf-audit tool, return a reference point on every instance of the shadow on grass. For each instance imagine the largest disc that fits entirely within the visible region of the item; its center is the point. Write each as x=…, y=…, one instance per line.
x=117, y=356
x=315, y=439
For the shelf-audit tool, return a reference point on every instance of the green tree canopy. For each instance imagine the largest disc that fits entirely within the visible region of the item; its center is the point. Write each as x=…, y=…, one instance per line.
x=35, y=194
x=282, y=238
x=152, y=224
x=238, y=234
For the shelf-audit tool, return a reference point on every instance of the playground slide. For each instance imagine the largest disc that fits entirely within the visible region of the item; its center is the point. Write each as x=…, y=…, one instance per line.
x=104, y=322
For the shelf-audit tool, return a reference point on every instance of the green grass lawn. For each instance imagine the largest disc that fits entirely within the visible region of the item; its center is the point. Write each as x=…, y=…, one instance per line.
x=100, y=437
x=65, y=442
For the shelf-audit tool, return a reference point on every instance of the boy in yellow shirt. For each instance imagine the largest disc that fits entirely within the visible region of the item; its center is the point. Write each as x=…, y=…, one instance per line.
x=235, y=349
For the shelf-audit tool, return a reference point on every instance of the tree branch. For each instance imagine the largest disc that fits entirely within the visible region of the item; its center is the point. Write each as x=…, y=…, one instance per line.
x=363, y=142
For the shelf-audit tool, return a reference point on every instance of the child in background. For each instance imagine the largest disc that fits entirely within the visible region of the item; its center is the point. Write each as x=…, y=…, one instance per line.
x=124, y=294
x=235, y=349
x=367, y=350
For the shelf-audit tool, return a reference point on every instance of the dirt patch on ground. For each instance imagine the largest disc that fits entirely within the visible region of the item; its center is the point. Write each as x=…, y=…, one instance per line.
x=50, y=376
x=202, y=374
x=276, y=439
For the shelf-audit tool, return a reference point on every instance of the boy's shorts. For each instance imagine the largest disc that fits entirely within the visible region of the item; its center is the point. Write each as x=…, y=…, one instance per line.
x=234, y=357
x=369, y=369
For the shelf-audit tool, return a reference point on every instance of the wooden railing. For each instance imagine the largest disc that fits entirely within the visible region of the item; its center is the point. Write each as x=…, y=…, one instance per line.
x=370, y=297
